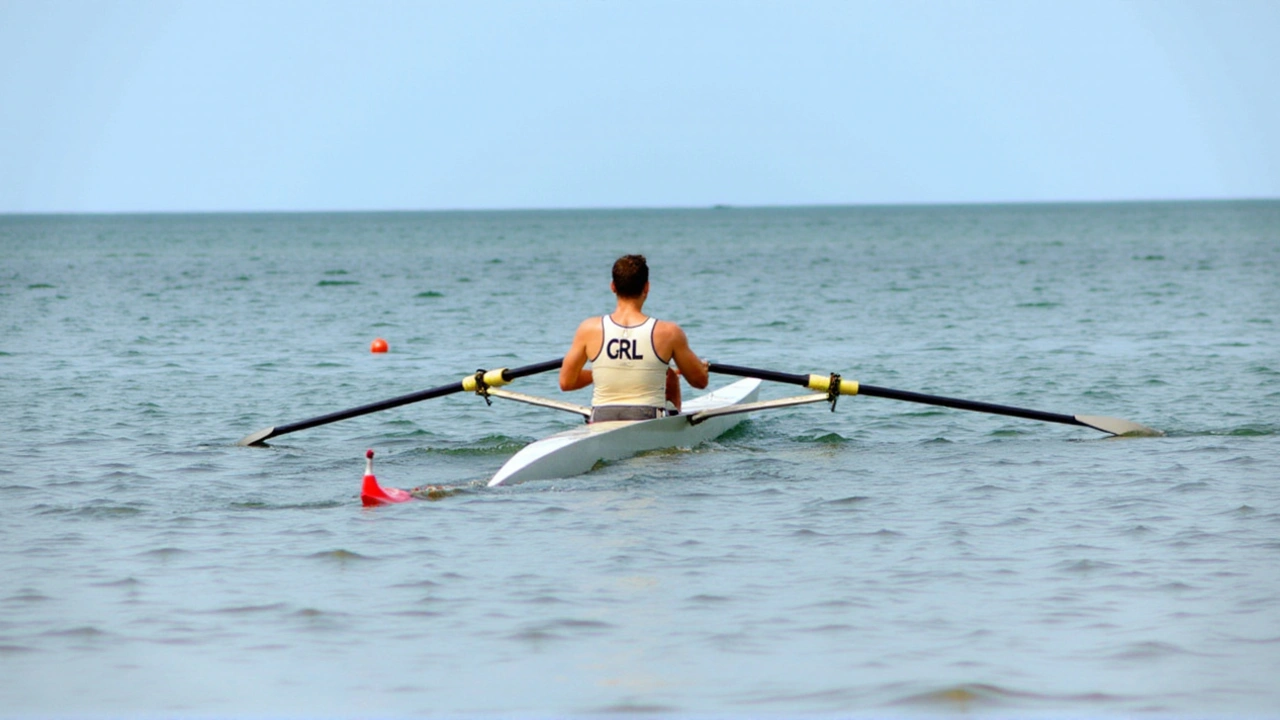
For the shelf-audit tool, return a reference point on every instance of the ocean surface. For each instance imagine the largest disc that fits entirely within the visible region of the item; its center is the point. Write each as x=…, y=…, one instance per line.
x=885, y=559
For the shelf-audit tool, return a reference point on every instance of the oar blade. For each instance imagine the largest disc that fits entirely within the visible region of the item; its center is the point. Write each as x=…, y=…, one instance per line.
x=257, y=437
x=1117, y=426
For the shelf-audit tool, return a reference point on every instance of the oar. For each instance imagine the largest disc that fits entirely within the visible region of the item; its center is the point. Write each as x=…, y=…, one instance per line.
x=822, y=383
x=491, y=378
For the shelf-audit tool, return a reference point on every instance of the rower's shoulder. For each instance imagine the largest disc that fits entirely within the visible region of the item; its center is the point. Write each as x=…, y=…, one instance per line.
x=668, y=336
x=667, y=330
x=591, y=325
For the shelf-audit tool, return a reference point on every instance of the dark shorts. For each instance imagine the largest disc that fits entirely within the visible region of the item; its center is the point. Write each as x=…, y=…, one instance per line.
x=607, y=413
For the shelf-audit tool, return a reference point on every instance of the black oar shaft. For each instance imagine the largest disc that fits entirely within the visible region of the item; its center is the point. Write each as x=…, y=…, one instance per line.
x=370, y=408
x=771, y=375
x=872, y=390
x=451, y=388
x=534, y=369
x=959, y=404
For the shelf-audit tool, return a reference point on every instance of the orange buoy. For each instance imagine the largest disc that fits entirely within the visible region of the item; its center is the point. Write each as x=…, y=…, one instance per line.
x=378, y=345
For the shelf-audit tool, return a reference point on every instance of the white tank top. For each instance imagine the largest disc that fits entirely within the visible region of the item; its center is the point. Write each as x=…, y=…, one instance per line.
x=628, y=370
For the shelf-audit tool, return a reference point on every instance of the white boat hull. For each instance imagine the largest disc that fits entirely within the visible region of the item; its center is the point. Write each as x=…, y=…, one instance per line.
x=576, y=451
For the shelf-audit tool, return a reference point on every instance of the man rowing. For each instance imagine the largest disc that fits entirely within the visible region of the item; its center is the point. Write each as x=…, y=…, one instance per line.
x=631, y=354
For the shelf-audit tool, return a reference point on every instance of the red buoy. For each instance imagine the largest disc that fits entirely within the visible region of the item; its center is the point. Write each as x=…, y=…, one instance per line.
x=378, y=346
x=371, y=493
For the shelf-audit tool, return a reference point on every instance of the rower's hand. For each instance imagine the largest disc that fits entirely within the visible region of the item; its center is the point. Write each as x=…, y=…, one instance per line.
x=706, y=367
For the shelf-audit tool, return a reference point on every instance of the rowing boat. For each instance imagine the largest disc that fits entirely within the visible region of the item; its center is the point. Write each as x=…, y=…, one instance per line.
x=576, y=451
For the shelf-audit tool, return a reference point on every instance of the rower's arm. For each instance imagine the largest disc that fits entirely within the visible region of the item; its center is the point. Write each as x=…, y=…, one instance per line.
x=574, y=374
x=692, y=367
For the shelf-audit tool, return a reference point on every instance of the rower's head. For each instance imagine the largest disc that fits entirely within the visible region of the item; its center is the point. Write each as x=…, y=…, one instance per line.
x=630, y=276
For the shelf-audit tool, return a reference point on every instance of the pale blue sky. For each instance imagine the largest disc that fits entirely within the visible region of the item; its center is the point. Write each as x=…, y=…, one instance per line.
x=273, y=105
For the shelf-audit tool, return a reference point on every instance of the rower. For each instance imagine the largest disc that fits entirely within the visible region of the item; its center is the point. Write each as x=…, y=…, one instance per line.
x=631, y=354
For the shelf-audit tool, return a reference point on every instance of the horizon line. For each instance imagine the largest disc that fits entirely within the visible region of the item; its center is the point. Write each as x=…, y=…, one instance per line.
x=641, y=208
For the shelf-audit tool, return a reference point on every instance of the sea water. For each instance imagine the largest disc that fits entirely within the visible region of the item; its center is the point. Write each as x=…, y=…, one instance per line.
x=884, y=559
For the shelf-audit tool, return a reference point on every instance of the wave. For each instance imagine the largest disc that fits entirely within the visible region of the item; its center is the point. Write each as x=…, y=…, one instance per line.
x=94, y=511
x=260, y=505
x=340, y=556
x=985, y=696
x=82, y=631
x=828, y=438
x=15, y=649
x=1249, y=430
x=486, y=446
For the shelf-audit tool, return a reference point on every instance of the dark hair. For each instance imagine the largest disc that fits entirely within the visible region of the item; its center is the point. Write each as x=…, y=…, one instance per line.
x=630, y=273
